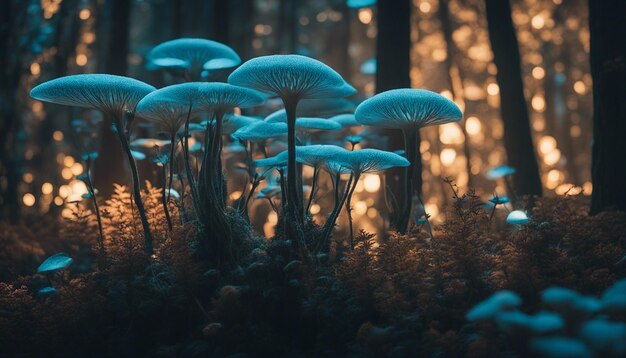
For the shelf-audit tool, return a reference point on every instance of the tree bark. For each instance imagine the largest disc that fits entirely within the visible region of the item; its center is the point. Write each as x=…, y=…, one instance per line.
x=114, y=17
x=393, y=59
x=607, y=26
x=518, y=141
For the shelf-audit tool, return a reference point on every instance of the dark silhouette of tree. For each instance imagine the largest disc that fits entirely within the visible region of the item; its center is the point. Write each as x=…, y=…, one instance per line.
x=518, y=141
x=393, y=59
x=113, y=27
x=607, y=26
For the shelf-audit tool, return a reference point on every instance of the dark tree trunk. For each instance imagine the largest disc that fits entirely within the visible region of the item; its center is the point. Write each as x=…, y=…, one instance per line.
x=607, y=25
x=454, y=75
x=518, y=141
x=10, y=126
x=110, y=166
x=221, y=21
x=393, y=58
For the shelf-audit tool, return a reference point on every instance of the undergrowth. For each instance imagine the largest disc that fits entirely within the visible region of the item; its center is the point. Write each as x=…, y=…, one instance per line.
x=400, y=295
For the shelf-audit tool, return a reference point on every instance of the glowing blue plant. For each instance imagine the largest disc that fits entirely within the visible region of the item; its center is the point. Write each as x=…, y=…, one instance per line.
x=192, y=56
x=115, y=96
x=292, y=78
x=408, y=110
x=55, y=263
x=517, y=217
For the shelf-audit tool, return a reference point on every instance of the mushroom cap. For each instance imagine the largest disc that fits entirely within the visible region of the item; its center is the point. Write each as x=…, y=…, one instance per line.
x=497, y=200
x=210, y=96
x=499, y=172
x=277, y=116
x=261, y=130
x=47, y=291
x=279, y=160
x=357, y=4
x=159, y=108
x=108, y=93
x=355, y=139
x=291, y=76
x=614, y=298
x=517, y=217
x=187, y=53
x=371, y=160
x=55, y=262
x=312, y=124
x=318, y=154
x=346, y=120
x=233, y=122
x=496, y=303
x=559, y=346
x=404, y=107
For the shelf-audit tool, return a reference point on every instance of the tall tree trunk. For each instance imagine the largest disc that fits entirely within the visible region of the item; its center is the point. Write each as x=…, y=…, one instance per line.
x=393, y=59
x=455, y=79
x=518, y=141
x=607, y=25
x=114, y=17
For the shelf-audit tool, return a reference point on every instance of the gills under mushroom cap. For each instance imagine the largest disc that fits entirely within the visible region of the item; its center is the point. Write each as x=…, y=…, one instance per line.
x=188, y=53
x=260, y=131
x=291, y=76
x=211, y=96
x=371, y=160
x=108, y=93
x=401, y=108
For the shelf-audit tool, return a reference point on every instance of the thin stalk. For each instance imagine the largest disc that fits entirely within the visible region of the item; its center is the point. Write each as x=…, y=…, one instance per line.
x=313, y=187
x=96, y=207
x=349, y=208
x=410, y=147
x=294, y=212
x=332, y=219
x=164, y=200
x=136, y=186
x=171, y=165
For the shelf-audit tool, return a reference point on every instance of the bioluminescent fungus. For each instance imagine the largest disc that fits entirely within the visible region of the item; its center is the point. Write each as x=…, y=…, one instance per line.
x=354, y=140
x=614, y=297
x=504, y=172
x=357, y=4
x=192, y=56
x=605, y=336
x=498, y=302
x=497, y=200
x=56, y=262
x=517, y=217
x=361, y=162
x=407, y=110
x=346, y=120
x=292, y=78
x=46, y=291
x=560, y=346
x=209, y=195
x=115, y=96
x=260, y=131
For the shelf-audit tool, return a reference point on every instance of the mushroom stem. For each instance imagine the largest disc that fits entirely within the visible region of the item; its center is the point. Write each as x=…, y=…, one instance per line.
x=411, y=148
x=121, y=133
x=357, y=176
x=165, y=200
x=95, y=206
x=171, y=164
x=294, y=208
x=330, y=223
x=313, y=187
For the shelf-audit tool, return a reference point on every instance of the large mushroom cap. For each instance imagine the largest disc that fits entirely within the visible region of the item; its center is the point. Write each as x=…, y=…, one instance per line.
x=55, y=262
x=313, y=124
x=404, y=107
x=318, y=154
x=187, y=53
x=157, y=107
x=498, y=302
x=372, y=160
x=211, y=95
x=291, y=76
x=108, y=93
x=346, y=120
x=261, y=130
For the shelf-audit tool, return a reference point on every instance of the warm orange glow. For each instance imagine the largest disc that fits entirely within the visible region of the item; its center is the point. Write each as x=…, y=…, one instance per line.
x=371, y=183
x=47, y=188
x=28, y=199
x=365, y=15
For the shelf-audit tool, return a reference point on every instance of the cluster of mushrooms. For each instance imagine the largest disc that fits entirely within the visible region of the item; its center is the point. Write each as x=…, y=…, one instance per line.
x=311, y=94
